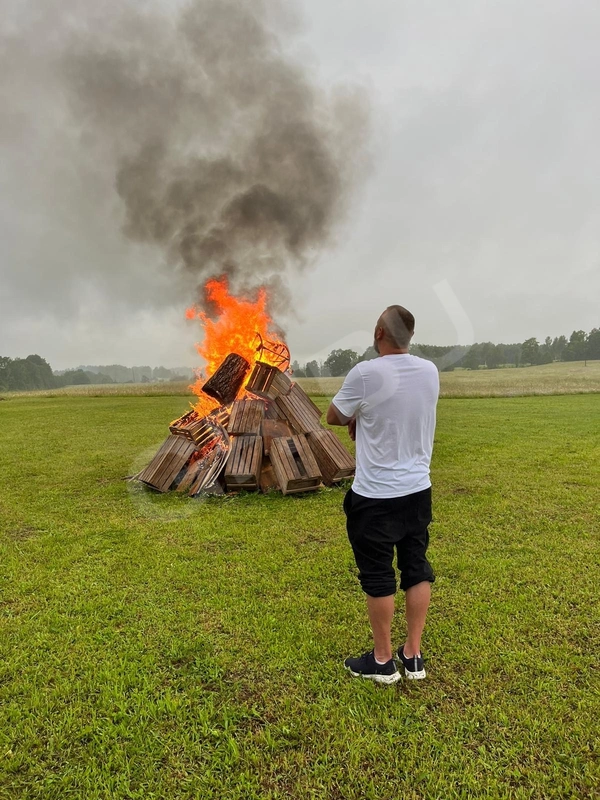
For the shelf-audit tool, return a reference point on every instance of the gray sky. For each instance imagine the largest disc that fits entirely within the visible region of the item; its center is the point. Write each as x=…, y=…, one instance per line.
x=475, y=201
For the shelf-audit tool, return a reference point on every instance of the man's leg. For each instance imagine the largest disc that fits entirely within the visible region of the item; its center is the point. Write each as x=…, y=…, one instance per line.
x=381, y=613
x=417, y=603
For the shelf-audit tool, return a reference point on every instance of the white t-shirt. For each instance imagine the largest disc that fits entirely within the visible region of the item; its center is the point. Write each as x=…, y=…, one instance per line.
x=393, y=399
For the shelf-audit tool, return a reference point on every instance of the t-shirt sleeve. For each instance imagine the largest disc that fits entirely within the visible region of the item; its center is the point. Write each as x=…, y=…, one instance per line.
x=350, y=397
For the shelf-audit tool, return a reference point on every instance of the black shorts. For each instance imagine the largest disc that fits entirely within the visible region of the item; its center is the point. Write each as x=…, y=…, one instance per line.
x=377, y=528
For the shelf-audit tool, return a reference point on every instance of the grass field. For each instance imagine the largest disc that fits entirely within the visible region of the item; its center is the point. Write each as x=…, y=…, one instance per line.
x=159, y=647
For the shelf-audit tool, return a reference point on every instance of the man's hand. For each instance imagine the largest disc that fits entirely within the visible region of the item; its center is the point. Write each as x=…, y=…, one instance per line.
x=352, y=429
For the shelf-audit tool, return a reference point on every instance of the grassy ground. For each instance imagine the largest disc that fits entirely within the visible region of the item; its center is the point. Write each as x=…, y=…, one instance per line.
x=155, y=647
x=561, y=378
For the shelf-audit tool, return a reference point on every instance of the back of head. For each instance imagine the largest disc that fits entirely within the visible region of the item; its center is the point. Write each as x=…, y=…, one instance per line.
x=399, y=325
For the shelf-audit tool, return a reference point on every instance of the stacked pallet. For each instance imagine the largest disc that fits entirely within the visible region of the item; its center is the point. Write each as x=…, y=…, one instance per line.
x=271, y=438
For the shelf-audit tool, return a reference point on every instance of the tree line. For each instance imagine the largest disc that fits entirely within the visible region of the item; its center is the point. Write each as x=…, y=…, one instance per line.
x=34, y=372
x=580, y=346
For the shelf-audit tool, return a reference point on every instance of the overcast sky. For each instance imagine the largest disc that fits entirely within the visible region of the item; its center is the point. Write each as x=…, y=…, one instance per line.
x=475, y=200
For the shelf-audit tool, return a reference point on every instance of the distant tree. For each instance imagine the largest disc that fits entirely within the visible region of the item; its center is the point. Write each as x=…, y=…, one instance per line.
x=500, y=354
x=98, y=377
x=494, y=356
x=558, y=346
x=340, y=362
x=530, y=351
x=575, y=350
x=369, y=354
x=161, y=374
x=593, y=344
x=312, y=369
x=472, y=359
x=297, y=370
x=73, y=377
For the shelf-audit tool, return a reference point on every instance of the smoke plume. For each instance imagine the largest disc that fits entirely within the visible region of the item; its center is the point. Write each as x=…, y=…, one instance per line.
x=225, y=154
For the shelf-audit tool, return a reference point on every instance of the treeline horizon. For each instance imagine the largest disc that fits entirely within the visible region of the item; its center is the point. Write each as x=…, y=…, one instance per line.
x=580, y=346
x=34, y=372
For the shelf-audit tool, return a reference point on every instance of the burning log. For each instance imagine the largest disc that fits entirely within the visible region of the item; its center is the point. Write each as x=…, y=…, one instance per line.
x=226, y=382
x=244, y=463
x=294, y=465
x=246, y=417
x=334, y=461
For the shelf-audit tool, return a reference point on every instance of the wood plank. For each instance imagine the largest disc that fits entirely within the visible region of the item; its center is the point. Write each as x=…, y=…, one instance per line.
x=308, y=458
x=171, y=454
x=211, y=466
x=282, y=462
x=334, y=461
x=294, y=464
x=243, y=467
x=149, y=470
x=268, y=479
x=177, y=453
x=190, y=475
x=289, y=460
x=274, y=429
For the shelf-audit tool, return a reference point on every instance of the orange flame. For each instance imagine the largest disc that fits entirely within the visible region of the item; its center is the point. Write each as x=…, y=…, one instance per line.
x=237, y=329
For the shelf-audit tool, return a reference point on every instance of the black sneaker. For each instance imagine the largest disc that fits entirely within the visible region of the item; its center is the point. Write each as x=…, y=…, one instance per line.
x=367, y=667
x=414, y=668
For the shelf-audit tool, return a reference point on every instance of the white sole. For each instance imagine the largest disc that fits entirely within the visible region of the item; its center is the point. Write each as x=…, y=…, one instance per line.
x=415, y=676
x=387, y=679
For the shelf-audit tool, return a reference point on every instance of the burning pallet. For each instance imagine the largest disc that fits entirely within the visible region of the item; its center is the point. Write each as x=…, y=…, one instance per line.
x=265, y=436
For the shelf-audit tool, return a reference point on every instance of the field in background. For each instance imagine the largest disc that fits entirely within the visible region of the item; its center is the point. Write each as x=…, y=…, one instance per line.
x=158, y=647
x=559, y=378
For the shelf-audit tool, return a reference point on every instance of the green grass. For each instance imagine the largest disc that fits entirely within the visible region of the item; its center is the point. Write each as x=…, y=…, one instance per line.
x=157, y=647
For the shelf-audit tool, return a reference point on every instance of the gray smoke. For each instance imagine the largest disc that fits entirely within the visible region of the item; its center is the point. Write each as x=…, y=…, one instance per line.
x=223, y=151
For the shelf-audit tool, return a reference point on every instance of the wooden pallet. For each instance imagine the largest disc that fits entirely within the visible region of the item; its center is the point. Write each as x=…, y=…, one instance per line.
x=294, y=464
x=267, y=381
x=166, y=465
x=334, y=461
x=199, y=430
x=243, y=466
x=268, y=479
x=299, y=410
x=274, y=429
x=246, y=417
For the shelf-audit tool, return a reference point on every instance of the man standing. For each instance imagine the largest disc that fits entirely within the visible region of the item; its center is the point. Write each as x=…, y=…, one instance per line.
x=389, y=406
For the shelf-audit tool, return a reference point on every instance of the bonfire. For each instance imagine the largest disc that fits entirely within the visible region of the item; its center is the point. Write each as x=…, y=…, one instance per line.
x=252, y=427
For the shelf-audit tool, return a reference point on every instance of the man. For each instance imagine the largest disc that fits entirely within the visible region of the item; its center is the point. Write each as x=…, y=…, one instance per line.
x=389, y=406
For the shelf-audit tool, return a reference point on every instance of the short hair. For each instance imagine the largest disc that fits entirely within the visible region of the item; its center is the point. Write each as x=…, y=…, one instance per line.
x=398, y=324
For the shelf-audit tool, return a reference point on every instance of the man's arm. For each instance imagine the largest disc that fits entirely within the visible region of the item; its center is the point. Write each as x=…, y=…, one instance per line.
x=335, y=416
x=346, y=404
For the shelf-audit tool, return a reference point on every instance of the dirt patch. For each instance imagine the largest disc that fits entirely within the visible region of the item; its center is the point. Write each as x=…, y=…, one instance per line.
x=22, y=533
